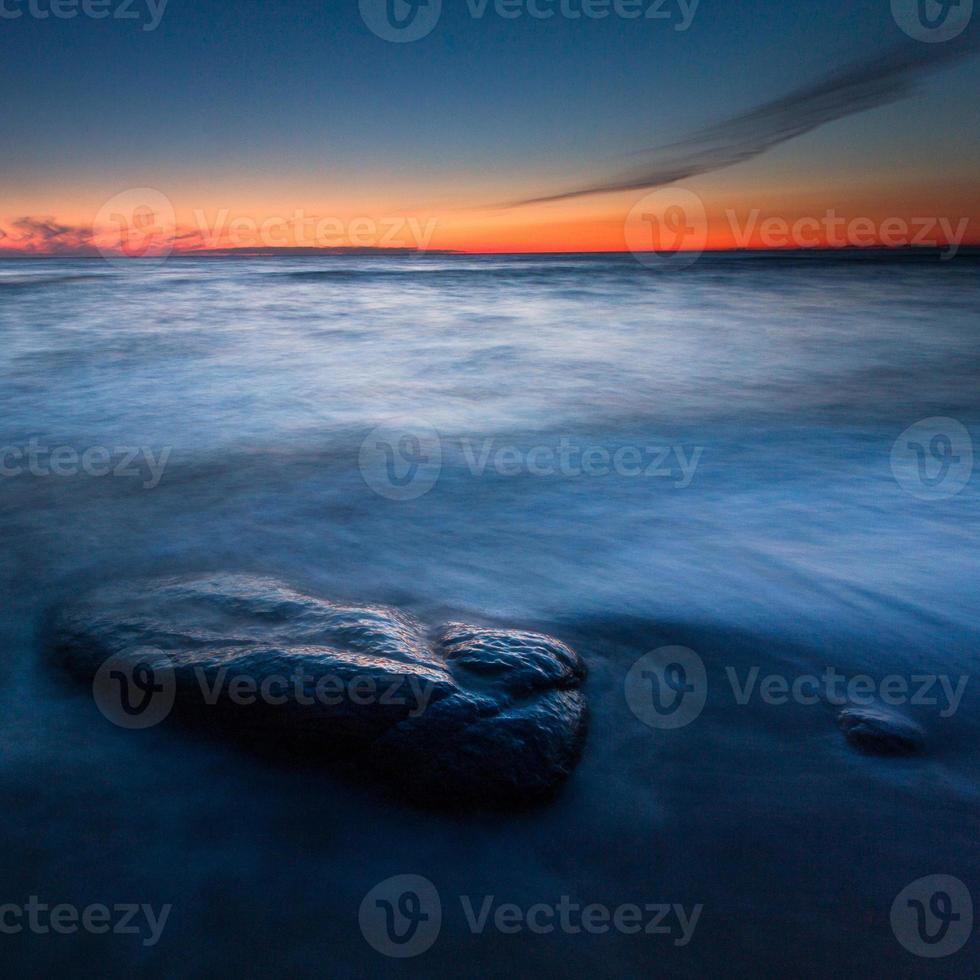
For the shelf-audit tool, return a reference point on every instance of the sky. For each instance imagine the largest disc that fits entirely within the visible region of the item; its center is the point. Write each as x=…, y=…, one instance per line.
x=216, y=123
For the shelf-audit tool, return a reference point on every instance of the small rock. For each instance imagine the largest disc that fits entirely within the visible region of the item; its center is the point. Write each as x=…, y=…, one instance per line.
x=880, y=731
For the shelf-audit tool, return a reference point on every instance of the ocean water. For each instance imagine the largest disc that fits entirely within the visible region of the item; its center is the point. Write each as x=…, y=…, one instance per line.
x=739, y=458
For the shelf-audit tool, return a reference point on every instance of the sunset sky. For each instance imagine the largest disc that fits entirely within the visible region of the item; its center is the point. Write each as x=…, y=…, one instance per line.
x=253, y=120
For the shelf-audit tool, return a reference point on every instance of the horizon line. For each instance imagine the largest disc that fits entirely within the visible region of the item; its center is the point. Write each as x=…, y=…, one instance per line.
x=398, y=252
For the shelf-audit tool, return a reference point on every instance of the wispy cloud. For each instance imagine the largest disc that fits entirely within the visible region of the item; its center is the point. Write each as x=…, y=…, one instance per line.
x=45, y=235
x=42, y=235
x=848, y=90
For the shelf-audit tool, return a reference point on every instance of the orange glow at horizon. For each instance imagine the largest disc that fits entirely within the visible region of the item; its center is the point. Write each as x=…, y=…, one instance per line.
x=778, y=219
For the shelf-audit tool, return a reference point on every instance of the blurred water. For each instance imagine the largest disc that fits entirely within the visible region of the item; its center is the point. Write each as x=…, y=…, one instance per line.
x=793, y=378
x=790, y=542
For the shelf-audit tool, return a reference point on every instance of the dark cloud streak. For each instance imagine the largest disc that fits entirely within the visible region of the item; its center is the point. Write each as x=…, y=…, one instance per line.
x=854, y=88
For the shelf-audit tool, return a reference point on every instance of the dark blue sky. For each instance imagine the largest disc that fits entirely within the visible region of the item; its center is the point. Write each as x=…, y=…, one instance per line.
x=301, y=95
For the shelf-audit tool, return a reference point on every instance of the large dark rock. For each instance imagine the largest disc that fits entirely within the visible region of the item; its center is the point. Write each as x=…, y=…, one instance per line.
x=880, y=731
x=460, y=714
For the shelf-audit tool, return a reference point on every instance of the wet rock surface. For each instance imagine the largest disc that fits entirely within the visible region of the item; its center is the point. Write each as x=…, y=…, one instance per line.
x=879, y=731
x=459, y=714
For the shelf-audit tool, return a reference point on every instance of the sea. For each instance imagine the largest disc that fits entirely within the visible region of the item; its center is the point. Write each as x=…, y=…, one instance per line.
x=763, y=460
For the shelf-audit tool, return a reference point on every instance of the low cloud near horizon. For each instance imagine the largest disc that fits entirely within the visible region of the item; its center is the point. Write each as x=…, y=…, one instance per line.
x=44, y=235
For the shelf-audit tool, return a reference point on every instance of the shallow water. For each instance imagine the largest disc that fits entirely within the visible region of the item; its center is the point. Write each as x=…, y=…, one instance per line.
x=760, y=399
